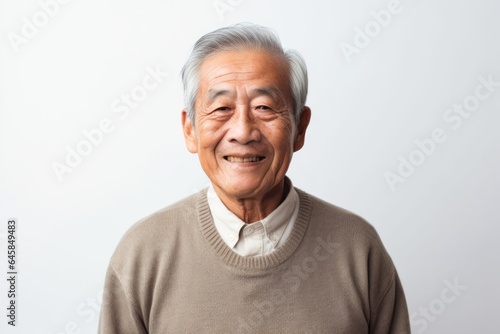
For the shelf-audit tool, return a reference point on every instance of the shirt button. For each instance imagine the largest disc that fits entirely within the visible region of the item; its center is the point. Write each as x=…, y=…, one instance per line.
x=249, y=229
x=274, y=237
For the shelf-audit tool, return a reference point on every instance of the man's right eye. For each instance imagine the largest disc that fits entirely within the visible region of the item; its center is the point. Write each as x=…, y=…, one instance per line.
x=222, y=109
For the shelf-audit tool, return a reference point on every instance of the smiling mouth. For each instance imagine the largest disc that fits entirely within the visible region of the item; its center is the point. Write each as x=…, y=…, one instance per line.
x=246, y=159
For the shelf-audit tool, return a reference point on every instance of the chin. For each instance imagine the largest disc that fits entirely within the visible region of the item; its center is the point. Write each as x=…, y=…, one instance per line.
x=242, y=190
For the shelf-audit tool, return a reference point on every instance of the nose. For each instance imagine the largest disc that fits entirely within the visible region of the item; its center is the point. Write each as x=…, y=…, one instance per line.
x=243, y=127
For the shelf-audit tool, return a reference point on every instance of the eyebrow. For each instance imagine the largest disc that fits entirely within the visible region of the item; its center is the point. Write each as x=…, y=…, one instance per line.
x=271, y=92
x=215, y=93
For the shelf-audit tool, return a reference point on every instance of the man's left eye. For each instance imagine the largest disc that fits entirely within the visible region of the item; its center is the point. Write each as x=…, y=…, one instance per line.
x=263, y=108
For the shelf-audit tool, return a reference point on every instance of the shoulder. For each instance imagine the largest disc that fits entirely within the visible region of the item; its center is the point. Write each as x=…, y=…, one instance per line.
x=167, y=218
x=353, y=238
x=328, y=218
x=353, y=241
x=161, y=230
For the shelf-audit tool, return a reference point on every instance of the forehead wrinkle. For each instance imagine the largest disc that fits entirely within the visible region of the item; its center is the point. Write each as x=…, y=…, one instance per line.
x=222, y=78
x=230, y=68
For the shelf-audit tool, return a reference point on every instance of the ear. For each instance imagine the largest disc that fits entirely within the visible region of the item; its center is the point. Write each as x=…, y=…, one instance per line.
x=300, y=137
x=189, y=133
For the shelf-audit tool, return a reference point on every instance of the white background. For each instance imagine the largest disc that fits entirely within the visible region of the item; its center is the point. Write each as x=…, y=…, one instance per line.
x=440, y=225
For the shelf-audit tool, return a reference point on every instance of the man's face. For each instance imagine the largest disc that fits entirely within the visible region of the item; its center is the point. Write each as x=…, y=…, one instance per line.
x=244, y=131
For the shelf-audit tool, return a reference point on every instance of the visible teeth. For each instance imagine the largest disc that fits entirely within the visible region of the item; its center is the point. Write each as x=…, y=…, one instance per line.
x=237, y=159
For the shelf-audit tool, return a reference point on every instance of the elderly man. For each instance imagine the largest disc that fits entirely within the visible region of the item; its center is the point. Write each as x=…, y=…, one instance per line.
x=252, y=253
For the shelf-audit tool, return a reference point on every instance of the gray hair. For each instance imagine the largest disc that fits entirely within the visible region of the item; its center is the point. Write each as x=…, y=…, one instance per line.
x=243, y=36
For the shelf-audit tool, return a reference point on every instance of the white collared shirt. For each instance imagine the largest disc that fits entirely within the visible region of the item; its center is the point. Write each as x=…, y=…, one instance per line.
x=258, y=238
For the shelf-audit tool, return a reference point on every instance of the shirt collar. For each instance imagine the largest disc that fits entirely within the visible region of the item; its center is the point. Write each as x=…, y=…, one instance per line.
x=229, y=225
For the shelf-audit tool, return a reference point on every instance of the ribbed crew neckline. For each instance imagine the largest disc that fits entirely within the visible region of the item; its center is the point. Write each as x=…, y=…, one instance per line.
x=277, y=257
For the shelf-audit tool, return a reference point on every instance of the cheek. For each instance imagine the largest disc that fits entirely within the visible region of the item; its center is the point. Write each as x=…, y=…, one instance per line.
x=209, y=135
x=282, y=141
x=286, y=133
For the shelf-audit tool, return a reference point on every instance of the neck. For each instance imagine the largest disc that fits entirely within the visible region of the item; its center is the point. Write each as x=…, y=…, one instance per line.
x=253, y=209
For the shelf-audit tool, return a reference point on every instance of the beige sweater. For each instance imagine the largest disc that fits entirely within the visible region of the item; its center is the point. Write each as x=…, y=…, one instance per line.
x=172, y=273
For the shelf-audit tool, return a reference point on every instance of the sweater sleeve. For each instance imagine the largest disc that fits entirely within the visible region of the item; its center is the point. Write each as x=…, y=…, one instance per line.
x=391, y=314
x=118, y=314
